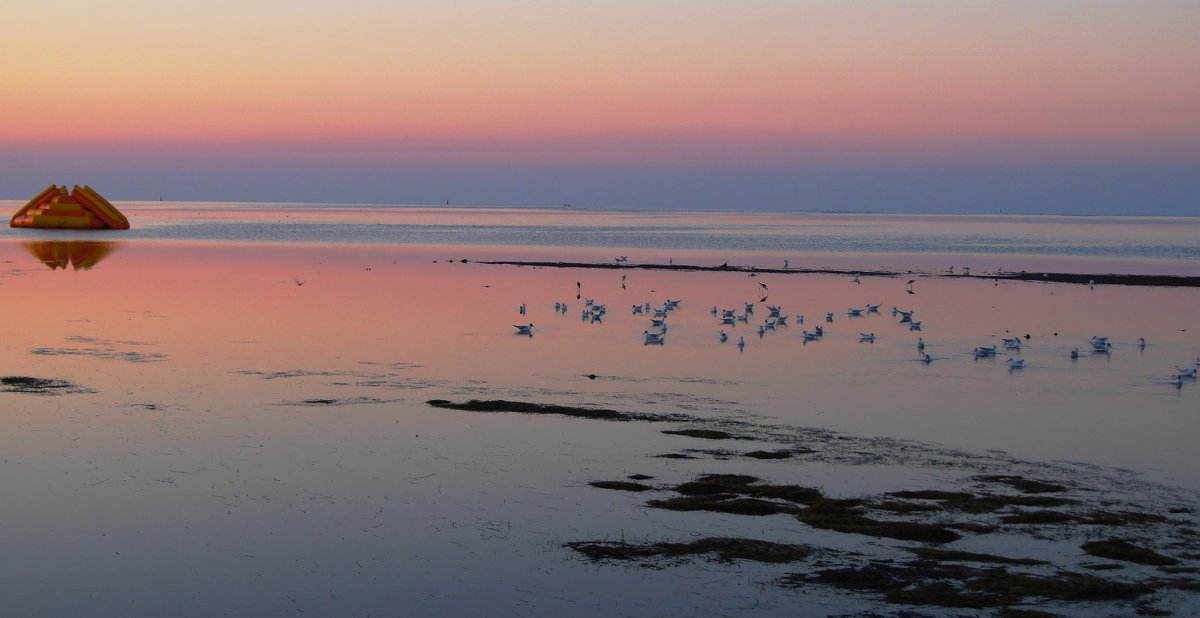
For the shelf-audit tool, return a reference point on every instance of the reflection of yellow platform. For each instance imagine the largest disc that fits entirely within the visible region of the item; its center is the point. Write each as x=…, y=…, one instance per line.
x=81, y=209
x=80, y=254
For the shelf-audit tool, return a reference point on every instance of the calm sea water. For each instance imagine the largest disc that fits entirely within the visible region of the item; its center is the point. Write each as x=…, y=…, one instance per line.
x=249, y=433
x=1017, y=242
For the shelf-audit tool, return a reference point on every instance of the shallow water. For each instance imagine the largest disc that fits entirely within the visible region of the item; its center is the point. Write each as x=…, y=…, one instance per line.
x=255, y=420
x=1155, y=245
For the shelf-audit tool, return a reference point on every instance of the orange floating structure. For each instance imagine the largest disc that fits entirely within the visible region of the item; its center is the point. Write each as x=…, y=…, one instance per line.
x=81, y=209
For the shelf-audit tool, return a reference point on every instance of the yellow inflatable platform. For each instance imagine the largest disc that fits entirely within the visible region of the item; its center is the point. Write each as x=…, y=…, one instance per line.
x=81, y=209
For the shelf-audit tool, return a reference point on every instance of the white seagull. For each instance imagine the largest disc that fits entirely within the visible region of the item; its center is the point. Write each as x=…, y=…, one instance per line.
x=524, y=329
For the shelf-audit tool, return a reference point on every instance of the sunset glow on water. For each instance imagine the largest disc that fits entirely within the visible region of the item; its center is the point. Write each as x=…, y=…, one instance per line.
x=561, y=309
x=266, y=400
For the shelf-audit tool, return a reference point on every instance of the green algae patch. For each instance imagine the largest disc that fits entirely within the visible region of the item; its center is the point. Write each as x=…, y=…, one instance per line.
x=1119, y=549
x=723, y=549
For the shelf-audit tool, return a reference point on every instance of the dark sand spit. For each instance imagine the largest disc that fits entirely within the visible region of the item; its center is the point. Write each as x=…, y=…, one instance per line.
x=1082, y=278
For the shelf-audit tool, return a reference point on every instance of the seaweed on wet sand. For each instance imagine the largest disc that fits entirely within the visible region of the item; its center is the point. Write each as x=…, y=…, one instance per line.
x=1042, y=505
x=722, y=503
x=784, y=454
x=1121, y=549
x=937, y=577
x=830, y=515
x=932, y=494
x=1038, y=517
x=931, y=583
x=738, y=493
x=982, y=503
x=707, y=434
x=716, y=484
x=1020, y=483
x=929, y=553
x=723, y=549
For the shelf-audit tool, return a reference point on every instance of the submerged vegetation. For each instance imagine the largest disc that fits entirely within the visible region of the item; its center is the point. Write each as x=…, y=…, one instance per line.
x=1120, y=549
x=925, y=524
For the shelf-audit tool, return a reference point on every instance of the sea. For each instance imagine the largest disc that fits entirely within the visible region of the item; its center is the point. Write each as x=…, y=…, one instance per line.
x=233, y=410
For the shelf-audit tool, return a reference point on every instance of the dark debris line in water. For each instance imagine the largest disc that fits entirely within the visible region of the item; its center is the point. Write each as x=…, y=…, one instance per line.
x=39, y=386
x=1147, y=529
x=1081, y=278
x=503, y=405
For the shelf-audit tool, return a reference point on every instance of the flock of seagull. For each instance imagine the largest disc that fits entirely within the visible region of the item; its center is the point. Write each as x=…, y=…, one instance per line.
x=776, y=317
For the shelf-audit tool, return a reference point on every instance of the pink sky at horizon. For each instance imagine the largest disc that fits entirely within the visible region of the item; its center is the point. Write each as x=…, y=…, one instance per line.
x=603, y=82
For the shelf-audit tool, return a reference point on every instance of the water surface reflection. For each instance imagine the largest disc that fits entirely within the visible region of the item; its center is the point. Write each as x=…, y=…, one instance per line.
x=78, y=254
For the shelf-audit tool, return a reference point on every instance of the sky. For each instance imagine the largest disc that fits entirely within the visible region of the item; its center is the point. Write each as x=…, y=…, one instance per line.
x=1081, y=107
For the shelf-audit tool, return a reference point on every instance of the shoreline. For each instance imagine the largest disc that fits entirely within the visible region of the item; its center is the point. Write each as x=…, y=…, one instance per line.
x=1057, y=277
